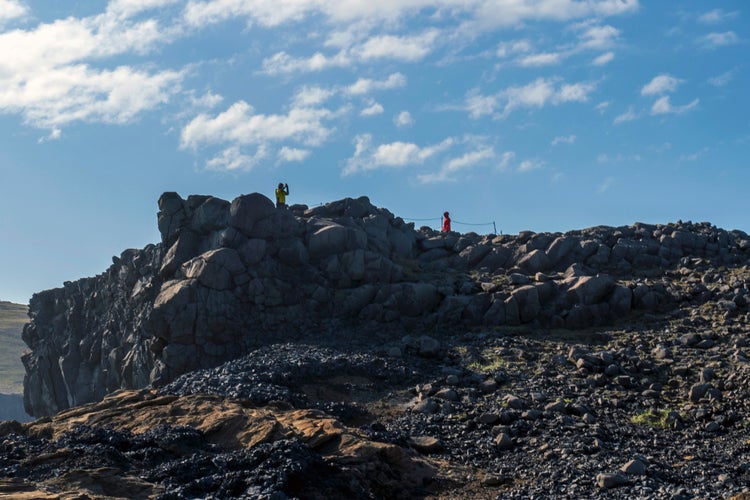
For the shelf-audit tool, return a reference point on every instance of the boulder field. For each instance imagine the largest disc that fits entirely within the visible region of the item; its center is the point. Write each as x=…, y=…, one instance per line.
x=230, y=277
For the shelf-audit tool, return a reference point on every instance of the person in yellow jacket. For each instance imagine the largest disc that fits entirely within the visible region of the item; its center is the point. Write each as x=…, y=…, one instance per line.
x=281, y=193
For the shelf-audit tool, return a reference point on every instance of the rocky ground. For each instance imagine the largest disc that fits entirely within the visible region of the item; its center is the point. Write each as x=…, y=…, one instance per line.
x=337, y=352
x=654, y=409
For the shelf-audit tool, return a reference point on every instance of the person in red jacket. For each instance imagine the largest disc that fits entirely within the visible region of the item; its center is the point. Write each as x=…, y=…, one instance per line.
x=446, y=222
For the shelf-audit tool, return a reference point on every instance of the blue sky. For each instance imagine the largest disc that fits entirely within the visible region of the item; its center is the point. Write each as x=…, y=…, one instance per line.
x=546, y=115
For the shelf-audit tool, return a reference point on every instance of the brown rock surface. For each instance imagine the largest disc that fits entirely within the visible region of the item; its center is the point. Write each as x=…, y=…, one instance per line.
x=226, y=424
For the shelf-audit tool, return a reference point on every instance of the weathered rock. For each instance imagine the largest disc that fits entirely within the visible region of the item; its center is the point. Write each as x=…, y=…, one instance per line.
x=228, y=277
x=611, y=480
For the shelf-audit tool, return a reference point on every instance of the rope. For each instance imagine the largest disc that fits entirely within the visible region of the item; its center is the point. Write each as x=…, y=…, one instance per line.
x=473, y=224
x=494, y=227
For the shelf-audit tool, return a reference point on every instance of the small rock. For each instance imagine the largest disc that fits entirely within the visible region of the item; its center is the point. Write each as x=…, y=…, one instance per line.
x=690, y=340
x=707, y=375
x=428, y=346
x=697, y=392
x=504, y=441
x=514, y=402
x=496, y=480
x=713, y=427
x=393, y=352
x=488, y=386
x=447, y=394
x=634, y=467
x=612, y=370
x=426, y=406
x=532, y=414
x=425, y=444
x=538, y=397
x=705, y=344
x=557, y=407
x=608, y=480
x=489, y=418
x=661, y=352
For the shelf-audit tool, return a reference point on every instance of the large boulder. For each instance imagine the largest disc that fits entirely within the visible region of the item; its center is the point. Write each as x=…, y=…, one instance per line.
x=588, y=290
x=215, y=269
x=246, y=211
x=331, y=238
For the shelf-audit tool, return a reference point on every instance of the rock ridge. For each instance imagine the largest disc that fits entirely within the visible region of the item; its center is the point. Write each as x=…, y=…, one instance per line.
x=229, y=277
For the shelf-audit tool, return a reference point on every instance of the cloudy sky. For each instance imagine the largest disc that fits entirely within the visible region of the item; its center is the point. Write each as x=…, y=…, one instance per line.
x=548, y=115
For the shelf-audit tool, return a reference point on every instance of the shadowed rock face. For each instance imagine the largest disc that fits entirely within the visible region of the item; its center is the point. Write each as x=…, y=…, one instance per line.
x=230, y=277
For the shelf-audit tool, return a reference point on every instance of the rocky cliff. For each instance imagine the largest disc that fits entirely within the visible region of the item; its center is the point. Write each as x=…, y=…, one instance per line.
x=228, y=277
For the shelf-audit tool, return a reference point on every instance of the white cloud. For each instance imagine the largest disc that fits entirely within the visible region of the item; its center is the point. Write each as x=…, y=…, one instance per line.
x=576, y=92
x=293, y=154
x=477, y=15
x=627, y=116
x=366, y=85
x=392, y=155
x=505, y=160
x=603, y=59
x=717, y=16
x=281, y=63
x=207, y=100
x=311, y=96
x=239, y=127
x=54, y=135
x=233, y=159
x=60, y=96
x=11, y=9
x=537, y=94
x=391, y=47
x=506, y=49
x=48, y=75
x=661, y=84
x=240, y=124
x=542, y=59
x=399, y=48
x=715, y=40
x=466, y=161
x=494, y=14
x=130, y=8
x=530, y=165
x=570, y=139
x=693, y=156
x=399, y=154
x=598, y=37
x=663, y=106
x=722, y=79
x=606, y=185
x=403, y=119
x=372, y=110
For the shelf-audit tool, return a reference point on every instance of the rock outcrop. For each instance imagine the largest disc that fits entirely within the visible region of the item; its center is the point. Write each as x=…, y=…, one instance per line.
x=136, y=444
x=227, y=278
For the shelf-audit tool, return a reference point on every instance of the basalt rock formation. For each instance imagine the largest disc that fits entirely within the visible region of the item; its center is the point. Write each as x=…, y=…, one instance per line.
x=229, y=277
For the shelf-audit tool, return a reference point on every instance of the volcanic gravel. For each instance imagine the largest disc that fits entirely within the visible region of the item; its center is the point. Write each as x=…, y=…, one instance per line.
x=656, y=410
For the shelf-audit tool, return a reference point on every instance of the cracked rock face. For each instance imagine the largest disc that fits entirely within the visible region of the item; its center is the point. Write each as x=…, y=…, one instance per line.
x=229, y=277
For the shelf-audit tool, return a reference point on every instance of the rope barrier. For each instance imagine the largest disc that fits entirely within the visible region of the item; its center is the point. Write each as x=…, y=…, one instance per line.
x=494, y=227
x=473, y=224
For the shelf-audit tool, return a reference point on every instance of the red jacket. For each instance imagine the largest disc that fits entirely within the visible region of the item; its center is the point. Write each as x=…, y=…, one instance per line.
x=446, y=224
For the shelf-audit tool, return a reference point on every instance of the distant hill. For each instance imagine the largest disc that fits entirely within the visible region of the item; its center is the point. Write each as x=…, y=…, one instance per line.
x=12, y=319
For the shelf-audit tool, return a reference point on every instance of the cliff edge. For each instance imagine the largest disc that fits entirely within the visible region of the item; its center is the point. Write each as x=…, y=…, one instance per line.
x=229, y=277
